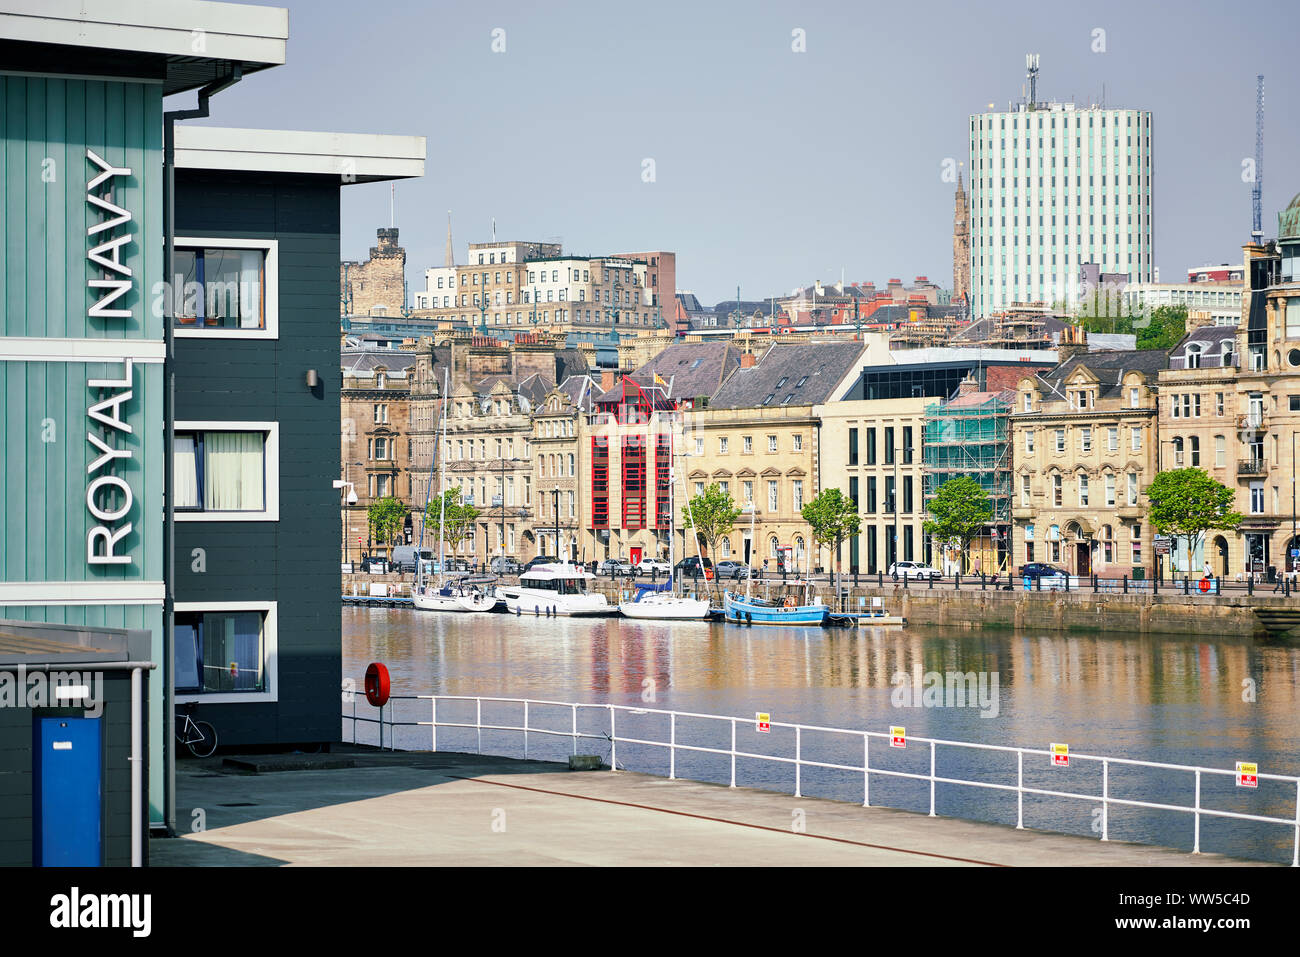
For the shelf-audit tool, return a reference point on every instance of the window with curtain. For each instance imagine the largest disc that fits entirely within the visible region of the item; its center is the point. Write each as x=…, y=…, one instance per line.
x=220, y=471
x=222, y=288
x=220, y=651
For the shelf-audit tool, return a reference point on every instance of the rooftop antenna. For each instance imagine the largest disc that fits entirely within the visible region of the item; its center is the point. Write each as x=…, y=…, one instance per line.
x=1257, y=190
x=1031, y=66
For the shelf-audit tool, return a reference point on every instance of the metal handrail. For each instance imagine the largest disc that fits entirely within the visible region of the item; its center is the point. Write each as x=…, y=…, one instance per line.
x=799, y=762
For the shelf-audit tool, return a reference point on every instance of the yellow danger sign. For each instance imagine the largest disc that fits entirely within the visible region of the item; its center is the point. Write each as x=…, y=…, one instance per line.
x=1061, y=755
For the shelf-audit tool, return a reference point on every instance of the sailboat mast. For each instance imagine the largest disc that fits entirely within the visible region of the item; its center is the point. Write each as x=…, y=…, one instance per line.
x=442, y=480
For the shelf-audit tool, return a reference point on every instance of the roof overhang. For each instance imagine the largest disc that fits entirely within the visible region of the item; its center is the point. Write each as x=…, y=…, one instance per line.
x=352, y=157
x=184, y=44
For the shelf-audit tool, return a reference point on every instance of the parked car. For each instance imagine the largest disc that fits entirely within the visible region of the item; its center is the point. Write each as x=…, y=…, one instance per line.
x=732, y=570
x=502, y=565
x=654, y=566
x=1041, y=570
x=404, y=557
x=374, y=564
x=614, y=566
x=690, y=568
x=540, y=560
x=913, y=570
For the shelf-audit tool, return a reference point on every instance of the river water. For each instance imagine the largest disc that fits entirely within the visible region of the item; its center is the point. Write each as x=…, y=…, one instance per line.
x=1208, y=702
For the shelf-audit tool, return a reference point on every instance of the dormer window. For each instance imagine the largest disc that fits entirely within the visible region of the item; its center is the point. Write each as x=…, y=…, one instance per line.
x=1029, y=402
x=1192, y=356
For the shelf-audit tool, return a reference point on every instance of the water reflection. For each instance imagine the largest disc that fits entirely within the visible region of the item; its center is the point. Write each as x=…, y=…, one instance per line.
x=1184, y=701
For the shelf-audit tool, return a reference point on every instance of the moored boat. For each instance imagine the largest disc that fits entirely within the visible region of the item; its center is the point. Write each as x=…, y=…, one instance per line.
x=559, y=588
x=659, y=603
x=746, y=610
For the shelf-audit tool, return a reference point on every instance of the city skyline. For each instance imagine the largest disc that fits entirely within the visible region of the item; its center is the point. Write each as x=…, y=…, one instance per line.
x=772, y=168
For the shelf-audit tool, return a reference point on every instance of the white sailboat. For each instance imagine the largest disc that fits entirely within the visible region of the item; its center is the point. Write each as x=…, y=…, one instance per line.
x=661, y=602
x=460, y=595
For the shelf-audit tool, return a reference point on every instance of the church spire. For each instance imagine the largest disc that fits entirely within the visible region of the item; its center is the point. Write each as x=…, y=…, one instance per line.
x=451, y=257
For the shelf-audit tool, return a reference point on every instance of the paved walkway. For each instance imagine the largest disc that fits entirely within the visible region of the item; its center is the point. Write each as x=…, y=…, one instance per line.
x=419, y=808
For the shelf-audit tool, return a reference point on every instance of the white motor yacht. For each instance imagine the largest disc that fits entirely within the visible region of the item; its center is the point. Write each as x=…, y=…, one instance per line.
x=554, y=589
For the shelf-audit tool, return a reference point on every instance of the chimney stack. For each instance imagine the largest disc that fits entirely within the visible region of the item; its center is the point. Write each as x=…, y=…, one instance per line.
x=747, y=360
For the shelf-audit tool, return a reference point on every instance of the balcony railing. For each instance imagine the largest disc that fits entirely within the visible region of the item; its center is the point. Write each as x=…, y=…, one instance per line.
x=1251, y=420
x=1252, y=467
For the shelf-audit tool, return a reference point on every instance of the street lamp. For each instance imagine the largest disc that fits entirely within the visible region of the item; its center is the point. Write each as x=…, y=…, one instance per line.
x=351, y=500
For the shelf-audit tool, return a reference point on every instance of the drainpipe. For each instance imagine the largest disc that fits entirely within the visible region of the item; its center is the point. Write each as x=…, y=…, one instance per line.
x=169, y=425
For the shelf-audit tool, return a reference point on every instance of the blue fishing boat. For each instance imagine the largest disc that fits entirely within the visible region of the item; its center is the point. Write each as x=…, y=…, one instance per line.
x=746, y=610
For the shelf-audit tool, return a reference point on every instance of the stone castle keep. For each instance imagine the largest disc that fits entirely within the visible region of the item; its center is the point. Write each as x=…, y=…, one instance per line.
x=378, y=285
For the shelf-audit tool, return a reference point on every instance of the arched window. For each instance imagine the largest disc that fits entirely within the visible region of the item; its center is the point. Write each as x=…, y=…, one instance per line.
x=1178, y=451
x=1107, y=544
x=1192, y=356
x=773, y=547
x=571, y=465
x=799, y=553
x=724, y=548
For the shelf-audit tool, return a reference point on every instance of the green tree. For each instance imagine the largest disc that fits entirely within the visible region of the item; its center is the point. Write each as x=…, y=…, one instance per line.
x=386, y=517
x=961, y=508
x=457, y=519
x=833, y=517
x=1162, y=330
x=1187, y=503
x=714, y=514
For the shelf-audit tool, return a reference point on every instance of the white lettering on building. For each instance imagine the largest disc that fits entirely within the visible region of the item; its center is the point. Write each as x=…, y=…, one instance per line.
x=108, y=494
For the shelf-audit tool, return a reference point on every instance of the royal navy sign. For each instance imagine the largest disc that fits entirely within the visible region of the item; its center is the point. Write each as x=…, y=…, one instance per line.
x=109, y=496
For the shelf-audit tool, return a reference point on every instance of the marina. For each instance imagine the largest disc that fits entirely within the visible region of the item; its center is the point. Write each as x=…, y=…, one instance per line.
x=1154, y=699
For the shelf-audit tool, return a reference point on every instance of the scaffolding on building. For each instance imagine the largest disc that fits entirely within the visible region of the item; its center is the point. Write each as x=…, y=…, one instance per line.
x=968, y=435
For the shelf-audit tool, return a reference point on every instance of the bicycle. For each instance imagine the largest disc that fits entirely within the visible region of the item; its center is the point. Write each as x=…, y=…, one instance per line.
x=199, y=736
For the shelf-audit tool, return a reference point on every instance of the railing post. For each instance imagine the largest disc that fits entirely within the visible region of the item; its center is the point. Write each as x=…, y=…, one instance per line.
x=672, y=745
x=733, y=752
x=1196, y=845
x=1105, y=800
x=866, y=773
x=613, y=741
x=1295, y=849
x=525, y=730
x=574, y=708
x=798, y=759
x=433, y=722
x=931, y=779
x=1126, y=584
x=1020, y=790
x=478, y=722
x=354, y=717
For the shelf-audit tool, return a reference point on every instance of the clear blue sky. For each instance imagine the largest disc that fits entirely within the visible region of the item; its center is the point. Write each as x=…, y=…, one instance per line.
x=773, y=168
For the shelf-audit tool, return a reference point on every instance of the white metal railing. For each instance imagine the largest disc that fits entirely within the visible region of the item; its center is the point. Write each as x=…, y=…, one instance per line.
x=1196, y=809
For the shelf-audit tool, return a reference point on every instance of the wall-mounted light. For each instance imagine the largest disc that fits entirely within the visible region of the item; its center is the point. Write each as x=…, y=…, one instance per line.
x=312, y=379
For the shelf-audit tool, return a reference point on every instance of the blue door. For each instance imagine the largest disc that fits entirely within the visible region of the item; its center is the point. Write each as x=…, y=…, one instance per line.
x=66, y=792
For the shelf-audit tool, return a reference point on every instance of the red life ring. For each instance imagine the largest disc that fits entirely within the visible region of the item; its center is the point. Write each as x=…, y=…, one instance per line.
x=1204, y=585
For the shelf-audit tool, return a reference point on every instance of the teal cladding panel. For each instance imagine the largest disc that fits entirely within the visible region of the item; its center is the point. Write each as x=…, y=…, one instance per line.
x=46, y=126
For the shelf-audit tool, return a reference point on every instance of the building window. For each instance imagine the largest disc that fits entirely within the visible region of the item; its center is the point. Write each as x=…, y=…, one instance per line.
x=748, y=441
x=1196, y=451
x=871, y=495
x=1220, y=451
x=1112, y=439
x=747, y=491
x=227, y=472
x=771, y=496
x=889, y=445
x=1110, y=491
x=722, y=445
x=699, y=446
x=1135, y=440
x=1132, y=488
x=1178, y=451
x=1083, y=491
x=1029, y=441
x=797, y=440
x=1024, y=490
x=797, y=490
x=1085, y=439
x=1058, y=491
x=853, y=446
x=229, y=288
x=228, y=650
x=1256, y=498
x=1060, y=440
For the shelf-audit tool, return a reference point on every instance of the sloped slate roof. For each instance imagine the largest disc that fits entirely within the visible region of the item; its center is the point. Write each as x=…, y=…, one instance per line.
x=691, y=368
x=1109, y=367
x=802, y=373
